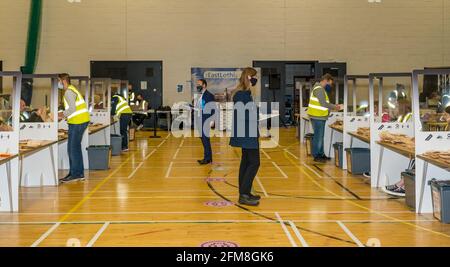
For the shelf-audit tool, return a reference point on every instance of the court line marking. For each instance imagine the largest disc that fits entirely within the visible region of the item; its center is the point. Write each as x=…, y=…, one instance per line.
x=85, y=198
x=182, y=142
x=297, y=233
x=279, y=169
x=169, y=169
x=162, y=143
x=203, y=221
x=45, y=235
x=289, y=152
x=363, y=207
x=106, y=179
x=261, y=186
x=350, y=234
x=135, y=170
x=313, y=171
x=286, y=231
x=98, y=234
x=267, y=155
x=176, y=153
x=215, y=212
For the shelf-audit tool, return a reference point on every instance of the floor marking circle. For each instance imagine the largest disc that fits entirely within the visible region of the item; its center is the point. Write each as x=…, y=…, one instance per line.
x=218, y=203
x=219, y=243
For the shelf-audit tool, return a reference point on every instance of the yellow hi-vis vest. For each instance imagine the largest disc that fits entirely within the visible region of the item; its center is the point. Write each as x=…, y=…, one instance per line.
x=314, y=107
x=122, y=106
x=406, y=118
x=131, y=97
x=81, y=114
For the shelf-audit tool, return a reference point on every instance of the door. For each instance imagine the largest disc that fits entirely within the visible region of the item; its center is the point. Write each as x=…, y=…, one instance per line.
x=145, y=77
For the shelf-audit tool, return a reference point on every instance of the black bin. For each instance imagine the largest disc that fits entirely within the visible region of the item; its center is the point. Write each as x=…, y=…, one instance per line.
x=116, y=144
x=440, y=195
x=338, y=154
x=409, y=177
x=358, y=160
x=99, y=157
x=308, y=139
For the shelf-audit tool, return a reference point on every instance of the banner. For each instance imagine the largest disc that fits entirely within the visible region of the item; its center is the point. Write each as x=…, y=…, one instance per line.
x=222, y=82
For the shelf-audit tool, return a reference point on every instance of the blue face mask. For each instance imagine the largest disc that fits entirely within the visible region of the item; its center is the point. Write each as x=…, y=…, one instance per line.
x=328, y=88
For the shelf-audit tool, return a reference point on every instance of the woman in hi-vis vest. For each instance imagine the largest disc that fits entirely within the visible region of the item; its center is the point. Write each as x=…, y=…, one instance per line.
x=77, y=115
x=318, y=110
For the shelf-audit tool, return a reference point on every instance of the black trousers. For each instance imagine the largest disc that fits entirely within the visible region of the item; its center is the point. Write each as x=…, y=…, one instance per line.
x=247, y=171
x=124, y=122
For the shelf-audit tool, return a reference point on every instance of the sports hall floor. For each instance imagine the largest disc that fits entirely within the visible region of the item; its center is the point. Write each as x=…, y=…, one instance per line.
x=157, y=195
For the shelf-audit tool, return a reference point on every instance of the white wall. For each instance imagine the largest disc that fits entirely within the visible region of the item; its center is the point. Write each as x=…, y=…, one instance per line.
x=396, y=35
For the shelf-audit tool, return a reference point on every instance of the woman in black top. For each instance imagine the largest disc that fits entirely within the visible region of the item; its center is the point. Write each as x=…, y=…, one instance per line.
x=245, y=135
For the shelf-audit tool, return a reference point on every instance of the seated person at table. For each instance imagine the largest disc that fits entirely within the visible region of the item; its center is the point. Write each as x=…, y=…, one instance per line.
x=446, y=117
x=36, y=115
x=140, y=105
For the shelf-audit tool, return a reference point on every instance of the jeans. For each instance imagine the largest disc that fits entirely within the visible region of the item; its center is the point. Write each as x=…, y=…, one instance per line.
x=124, y=122
x=76, y=132
x=248, y=169
x=317, y=141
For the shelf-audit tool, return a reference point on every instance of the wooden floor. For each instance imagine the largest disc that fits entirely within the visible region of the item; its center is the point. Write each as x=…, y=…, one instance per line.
x=157, y=195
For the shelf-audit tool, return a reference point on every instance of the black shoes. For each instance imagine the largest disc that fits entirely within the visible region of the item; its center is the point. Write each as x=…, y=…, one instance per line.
x=320, y=160
x=65, y=177
x=204, y=161
x=255, y=197
x=248, y=200
x=325, y=157
x=70, y=179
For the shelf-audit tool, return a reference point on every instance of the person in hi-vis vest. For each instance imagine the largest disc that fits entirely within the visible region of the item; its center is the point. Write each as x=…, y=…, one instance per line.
x=318, y=110
x=120, y=108
x=77, y=115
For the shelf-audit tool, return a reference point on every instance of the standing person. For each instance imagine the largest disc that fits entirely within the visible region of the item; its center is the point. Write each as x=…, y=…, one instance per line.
x=205, y=98
x=77, y=116
x=318, y=110
x=120, y=107
x=131, y=95
x=245, y=135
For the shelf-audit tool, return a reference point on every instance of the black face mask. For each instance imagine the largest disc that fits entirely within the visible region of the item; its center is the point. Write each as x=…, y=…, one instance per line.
x=253, y=81
x=199, y=88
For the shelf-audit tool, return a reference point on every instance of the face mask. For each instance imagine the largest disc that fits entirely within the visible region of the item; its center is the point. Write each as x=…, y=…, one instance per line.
x=328, y=88
x=60, y=85
x=199, y=88
x=253, y=81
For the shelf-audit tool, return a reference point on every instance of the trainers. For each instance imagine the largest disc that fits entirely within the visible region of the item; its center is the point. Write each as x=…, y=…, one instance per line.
x=366, y=174
x=71, y=179
x=125, y=150
x=140, y=127
x=320, y=160
x=397, y=191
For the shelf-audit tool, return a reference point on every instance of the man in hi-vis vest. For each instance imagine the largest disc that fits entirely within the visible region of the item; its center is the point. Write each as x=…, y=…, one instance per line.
x=120, y=108
x=318, y=110
x=77, y=115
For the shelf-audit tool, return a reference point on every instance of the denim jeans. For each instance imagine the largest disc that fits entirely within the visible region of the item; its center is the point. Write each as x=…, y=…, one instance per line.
x=124, y=122
x=317, y=141
x=76, y=132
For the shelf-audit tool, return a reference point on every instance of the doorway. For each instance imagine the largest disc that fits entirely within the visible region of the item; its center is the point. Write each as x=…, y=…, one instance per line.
x=145, y=77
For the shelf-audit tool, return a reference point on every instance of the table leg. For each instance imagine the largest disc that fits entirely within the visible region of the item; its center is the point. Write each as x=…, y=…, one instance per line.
x=9, y=178
x=422, y=185
x=331, y=143
x=20, y=170
x=52, y=157
x=380, y=160
x=155, y=122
